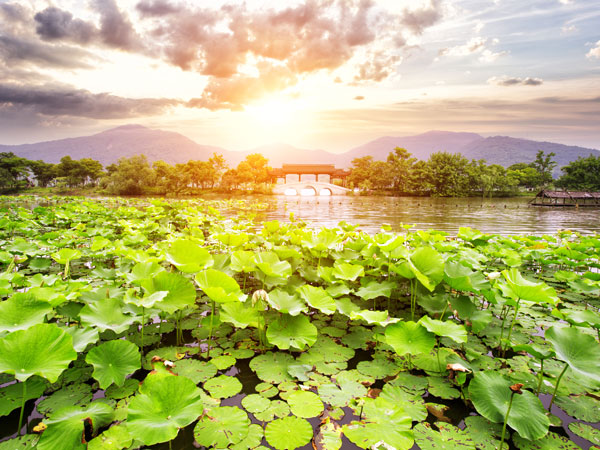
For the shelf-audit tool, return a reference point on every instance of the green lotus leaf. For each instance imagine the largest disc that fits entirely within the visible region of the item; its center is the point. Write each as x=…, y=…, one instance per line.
x=65, y=255
x=66, y=426
x=518, y=287
x=379, y=317
x=118, y=392
x=197, y=371
x=448, y=329
x=243, y=261
x=288, y=433
x=317, y=298
x=412, y=405
x=270, y=265
x=240, y=314
x=441, y=387
x=286, y=303
x=329, y=436
x=277, y=408
x=345, y=306
x=551, y=441
x=143, y=271
x=292, y=331
x=255, y=403
x=584, y=318
x=484, y=433
x=586, y=432
x=188, y=256
x=42, y=349
x=27, y=442
x=106, y=314
x=222, y=426
x=164, y=404
x=115, y=438
x=376, y=289
x=579, y=350
x=461, y=278
x=490, y=393
x=410, y=383
x=272, y=367
x=82, y=337
x=181, y=291
x=223, y=386
x=79, y=394
x=448, y=436
x=21, y=311
x=581, y=407
x=219, y=286
x=378, y=368
x=427, y=265
x=337, y=290
x=535, y=350
x=409, y=338
x=252, y=439
x=334, y=396
x=113, y=361
x=348, y=272
x=11, y=396
x=305, y=404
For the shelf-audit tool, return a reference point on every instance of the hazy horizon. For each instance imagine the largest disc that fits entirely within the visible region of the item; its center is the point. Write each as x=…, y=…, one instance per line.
x=314, y=74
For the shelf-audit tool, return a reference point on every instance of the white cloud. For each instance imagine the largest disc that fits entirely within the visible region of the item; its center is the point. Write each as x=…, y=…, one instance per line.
x=566, y=2
x=569, y=29
x=514, y=81
x=594, y=52
x=489, y=56
x=475, y=45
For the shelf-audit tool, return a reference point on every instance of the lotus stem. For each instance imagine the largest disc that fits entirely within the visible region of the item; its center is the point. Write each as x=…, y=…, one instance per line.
x=210, y=328
x=512, y=324
x=541, y=378
x=143, y=322
x=67, y=270
x=503, y=315
x=179, y=333
x=22, y=407
x=413, y=299
x=556, y=387
x=444, y=311
x=512, y=394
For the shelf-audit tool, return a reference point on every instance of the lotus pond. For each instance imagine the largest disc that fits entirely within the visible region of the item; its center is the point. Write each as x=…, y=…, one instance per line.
x=158, y=324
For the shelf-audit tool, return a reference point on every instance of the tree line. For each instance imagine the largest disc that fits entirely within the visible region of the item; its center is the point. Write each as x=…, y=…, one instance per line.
x=443, y=174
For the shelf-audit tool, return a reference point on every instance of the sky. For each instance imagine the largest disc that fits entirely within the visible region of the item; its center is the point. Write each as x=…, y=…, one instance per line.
x=327, y=74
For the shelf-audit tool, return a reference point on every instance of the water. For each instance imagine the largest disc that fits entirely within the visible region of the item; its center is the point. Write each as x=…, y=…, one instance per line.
x=504, y=216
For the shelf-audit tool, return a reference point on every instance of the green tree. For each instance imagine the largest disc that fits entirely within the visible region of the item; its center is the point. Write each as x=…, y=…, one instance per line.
x=219, y=165
x=43, y=172
x=526, y=176
x=361, y=173
x=447, y=174
x=13, y=171
x=582, y=174
x=130, y=176
x=254, y=169
x=544, y=164
x=401, y=165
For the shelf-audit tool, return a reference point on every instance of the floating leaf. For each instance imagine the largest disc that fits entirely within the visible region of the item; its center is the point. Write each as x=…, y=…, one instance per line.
x=348, y=272
x=288, y=433
x=579, y=350
x=586, y=432
x=223, y=386
x=317, y=298
x=11, y=396
x=581, y=407
x=113, y=361
x=376, y=289
x=219, y=286
x=21, y=311
x=329, y=436
x=292, y=331
x=286, y=303
x=255, y=403
x=448, y=436
x=188, y=256
x=452, y=330
x=305, y=404
x=181, y=291
x=106, y=314
x=518, y=287
x=272, y=367
x=409, y=337
x=164, y=404
x=115, y=438
x=222, y=426
x=551, y=441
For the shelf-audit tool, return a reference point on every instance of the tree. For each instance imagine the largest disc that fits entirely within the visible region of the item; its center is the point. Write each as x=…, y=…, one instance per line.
x=43, y=172
x=13, y=171
x=361, y=172
x=254, y=169
x=526, y=176
x=130, y=176
x=582, y=174
x=447, y=174
x=544, y=164
x=401, y=165
x=219, y=165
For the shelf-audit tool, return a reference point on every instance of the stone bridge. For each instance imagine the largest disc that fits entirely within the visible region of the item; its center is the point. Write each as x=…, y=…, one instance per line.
x=308, y=188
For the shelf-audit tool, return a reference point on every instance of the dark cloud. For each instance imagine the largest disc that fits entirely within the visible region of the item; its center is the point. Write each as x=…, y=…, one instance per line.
x=155, y=8
x=21, y=51
x=377, y=68
x=66, y=101
x=116, y=30
x=418, y=19
x=56, y=24
x=515, y=81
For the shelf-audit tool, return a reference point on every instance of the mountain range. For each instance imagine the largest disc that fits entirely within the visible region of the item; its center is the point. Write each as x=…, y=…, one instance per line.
x=129, y=140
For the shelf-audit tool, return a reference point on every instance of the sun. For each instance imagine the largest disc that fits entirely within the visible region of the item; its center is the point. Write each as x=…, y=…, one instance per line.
x=273, y=112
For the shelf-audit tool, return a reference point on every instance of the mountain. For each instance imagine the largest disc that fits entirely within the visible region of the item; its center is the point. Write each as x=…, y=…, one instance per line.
x=129, y=140
x=125, y=141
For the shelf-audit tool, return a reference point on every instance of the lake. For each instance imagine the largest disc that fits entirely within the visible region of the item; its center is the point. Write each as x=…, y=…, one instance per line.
x=498, y=215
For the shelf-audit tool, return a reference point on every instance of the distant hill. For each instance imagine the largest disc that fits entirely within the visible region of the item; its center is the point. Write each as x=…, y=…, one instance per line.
x=126, y=141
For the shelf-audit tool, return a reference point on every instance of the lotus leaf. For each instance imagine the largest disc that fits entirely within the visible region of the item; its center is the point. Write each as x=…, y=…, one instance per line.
x=82, y=337
x=219, y=286
x=144, y=270
x=586, y=432
x=66, y=426
x=270, y=265
x=27, y=442
x=490, y=393
x=292, y=331
x=485, y=434
x=427, y=265
x=334, y=396
x=288, y=433
x=581, y=407
x=164, y=404
x=113, y=361
x=242, y=261
x=42, y=349
x=448, y=436
x=286, y=303
x=106, y=315
x=305, y=404
x=65, y=255
x=221, y=427
x=317, y=298
x=21, y=311
x=452, y=330
x=240, y=315
x=460, y=277
x=348, y=272
x=337, y=290
x=118, y=392
x=272, y=367
x=518, y=287
x=74, y=394
x=223, y=386
x=441, y=387
x=551, y=441
x=267, y=390
x=115, y=438
x=376, y=289
x=277, y=408
x=252, y=439
x=188, y=256
x=379, y=317
x=579, y=350
x=378, y=368
x=181, y=291
x=409, y=337
x=11, y=396
x=255, y=403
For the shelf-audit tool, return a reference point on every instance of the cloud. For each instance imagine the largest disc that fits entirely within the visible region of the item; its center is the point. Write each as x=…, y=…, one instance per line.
x=568, y=29
x=594, y=52
x=377, y=68
x=475, y=45
x=67, y=101
x=56, y=24
x=115, y=28
x=359, y=97
x=418, y=19
x=19, y=51
x=155, y=8
x=513, y=81
x=488, y=55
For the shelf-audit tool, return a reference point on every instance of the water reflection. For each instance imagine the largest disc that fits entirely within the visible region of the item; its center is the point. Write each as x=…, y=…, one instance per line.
x=502, y=216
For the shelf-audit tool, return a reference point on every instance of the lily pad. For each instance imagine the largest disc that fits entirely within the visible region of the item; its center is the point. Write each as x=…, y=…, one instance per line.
x=551, y=441
x=118, y=392
x=272, y=367
x=255, y=403
x=277, y=408
x=252, y=439
x=115, y=438
x=581, y=407
x=286, y=303
x=448, y=329
x=197, y=371
x=292, y=331
x=579, y=350
x=305, y=404
x=448, y=436
x=219, y=286
x=11, y=396
x=484, y=433
x=113, y=361
x=223, y=386
x=586, y=432
x=409, y=337
x=318, y=298
x=21, y=311
x=222, y=426
x=106, y=314
x=188, y=256
x=74, y=394
x=288, y=433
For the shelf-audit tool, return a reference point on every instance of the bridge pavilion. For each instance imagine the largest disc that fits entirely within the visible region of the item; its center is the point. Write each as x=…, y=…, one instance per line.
x=309, y=169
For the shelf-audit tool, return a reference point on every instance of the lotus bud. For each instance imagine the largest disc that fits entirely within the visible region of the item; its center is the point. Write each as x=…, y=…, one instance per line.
x=260, y=297
x=516, y=388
